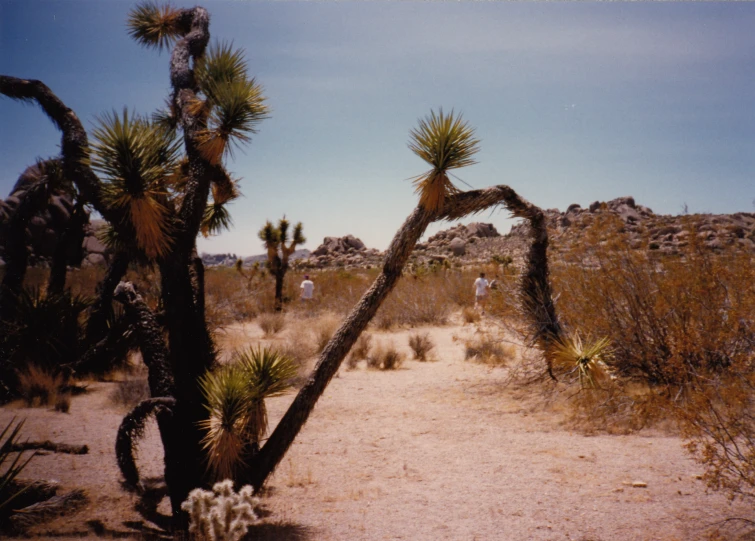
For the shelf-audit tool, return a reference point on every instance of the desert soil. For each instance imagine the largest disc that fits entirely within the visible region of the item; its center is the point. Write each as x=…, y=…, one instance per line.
x=449, y=449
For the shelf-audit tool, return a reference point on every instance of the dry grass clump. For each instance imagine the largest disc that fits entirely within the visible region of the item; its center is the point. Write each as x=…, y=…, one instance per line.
x=421, y=345
x=38, y=386
x=385, y=356
x=470, y=315
x=359, y=351
x=324, y=329
x=129, y=392
x=271, y=323
x=488, y=349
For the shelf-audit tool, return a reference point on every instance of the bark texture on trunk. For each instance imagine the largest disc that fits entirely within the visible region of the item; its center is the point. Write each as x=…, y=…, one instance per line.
x=455, y=207
x=70, y=240
x=102, y=309
x=16, y=252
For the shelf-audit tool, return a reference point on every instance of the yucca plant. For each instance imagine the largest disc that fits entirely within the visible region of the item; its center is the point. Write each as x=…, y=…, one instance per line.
x=10, y=466
x=278, y=252
x=135, y=158
x=235, y=399
x=152, y=179
x=587, y=358
x=446, y=142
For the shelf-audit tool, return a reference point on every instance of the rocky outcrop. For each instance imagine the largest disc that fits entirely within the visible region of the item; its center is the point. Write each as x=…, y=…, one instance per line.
x=346, y=251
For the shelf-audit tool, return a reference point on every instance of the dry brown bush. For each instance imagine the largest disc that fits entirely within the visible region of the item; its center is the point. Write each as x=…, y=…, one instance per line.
x=38, y=386
x=489, y=349
x=271, y=323
x=129, y=392
x=324, y=328
x=385, y=356
x=421, y=345
x=360, y=350
x=682, y=331
x=470, y=315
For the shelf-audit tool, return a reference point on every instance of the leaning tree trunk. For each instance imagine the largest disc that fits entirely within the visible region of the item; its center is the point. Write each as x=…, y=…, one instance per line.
x=398, y=253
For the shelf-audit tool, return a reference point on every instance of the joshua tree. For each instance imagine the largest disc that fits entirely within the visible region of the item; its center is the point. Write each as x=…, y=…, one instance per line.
x=275, y=239
x=158, y=196
x=445, y=142
x=41, y=188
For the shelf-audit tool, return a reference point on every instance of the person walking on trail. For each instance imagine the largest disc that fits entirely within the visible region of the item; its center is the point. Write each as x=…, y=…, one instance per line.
x=307, y=289
x=481, y=286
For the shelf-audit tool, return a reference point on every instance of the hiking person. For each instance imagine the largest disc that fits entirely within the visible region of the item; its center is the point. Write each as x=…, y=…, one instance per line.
x=307, y=289
x=481, y=291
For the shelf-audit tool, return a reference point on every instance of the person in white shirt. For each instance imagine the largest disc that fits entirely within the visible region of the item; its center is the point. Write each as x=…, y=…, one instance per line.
x=307, y=288
x=481, y=291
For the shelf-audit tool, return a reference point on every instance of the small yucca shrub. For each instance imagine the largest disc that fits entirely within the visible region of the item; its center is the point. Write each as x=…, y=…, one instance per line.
x=235, y=399
x=587, y=359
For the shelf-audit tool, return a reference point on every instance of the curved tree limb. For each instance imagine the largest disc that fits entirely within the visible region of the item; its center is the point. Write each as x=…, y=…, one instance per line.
x=398, y=253
x=74, y=141
x=131, y=429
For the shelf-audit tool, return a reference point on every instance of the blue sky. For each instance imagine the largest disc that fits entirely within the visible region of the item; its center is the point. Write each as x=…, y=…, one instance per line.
x=573, y=102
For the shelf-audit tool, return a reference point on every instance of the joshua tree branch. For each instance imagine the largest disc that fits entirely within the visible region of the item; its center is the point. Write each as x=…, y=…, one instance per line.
x=398, y=253
x=74, y=142
x=151, y=341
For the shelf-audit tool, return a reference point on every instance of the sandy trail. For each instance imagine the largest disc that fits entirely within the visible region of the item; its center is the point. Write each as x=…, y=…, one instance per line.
x=435, y=450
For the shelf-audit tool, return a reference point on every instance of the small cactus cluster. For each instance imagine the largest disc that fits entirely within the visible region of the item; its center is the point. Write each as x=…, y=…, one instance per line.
x=220, y=515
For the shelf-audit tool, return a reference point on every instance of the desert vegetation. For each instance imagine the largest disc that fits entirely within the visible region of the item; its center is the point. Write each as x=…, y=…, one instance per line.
x=632, y=339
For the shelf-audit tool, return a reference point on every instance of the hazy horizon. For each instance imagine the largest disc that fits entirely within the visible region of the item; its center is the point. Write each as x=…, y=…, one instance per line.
x=573, y=102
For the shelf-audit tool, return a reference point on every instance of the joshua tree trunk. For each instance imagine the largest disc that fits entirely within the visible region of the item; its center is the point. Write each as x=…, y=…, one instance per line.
x=16, y=252
x=191, y=350
x=69, y=240
x=102, y=309
x=279, y=274
x=398, y=253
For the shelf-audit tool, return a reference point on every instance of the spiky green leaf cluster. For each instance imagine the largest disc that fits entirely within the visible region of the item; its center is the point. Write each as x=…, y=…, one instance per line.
x=216, y=219
x=10, y=466
x=234, y=397
x=136, y=158
x=587, y=358
x=153, y=26
x=269, y=371
x=444, y=141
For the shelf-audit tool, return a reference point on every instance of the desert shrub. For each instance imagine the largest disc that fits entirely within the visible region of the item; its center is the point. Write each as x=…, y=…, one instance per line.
x=39, y=386
x=360, y=350
x=470, y=315
x=129, y=392
x=385, y=356
x=415, y=301
x=12, y=464
x=324, y=329
x=719, y=422
x=488, y=349
x=271, y=323
x=667, y=319
x=421, y=345
x=220, y=515
x=46, y=331
x=682, y=331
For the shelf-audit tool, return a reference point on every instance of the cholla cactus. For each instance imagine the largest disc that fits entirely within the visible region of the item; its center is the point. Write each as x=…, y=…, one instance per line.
x=220, y=515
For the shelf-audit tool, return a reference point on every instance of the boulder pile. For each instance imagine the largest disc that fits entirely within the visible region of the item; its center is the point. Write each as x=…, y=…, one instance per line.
x=346, y=251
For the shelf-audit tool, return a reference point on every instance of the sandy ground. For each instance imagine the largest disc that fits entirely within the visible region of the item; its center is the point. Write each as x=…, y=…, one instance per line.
x=435, y=450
